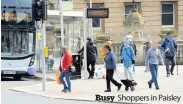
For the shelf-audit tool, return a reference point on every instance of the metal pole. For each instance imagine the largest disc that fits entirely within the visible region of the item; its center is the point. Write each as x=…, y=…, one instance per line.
x=61, y=22
x=85, y=58
x=43, y=58
x=90, y=24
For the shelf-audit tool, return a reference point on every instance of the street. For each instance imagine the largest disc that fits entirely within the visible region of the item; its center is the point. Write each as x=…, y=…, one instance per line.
x=20, y=98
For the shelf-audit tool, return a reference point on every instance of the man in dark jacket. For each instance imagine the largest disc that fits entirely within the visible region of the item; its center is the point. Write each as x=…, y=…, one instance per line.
x=170, y=48
x=91, y=57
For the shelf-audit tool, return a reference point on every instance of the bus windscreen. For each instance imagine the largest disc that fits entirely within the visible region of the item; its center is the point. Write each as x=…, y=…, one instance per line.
x=16, y=12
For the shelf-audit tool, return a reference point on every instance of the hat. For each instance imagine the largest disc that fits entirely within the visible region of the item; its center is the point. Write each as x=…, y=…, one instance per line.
x=108, y=43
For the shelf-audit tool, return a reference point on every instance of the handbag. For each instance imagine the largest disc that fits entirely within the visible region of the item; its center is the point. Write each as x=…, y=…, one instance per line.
x=72, y=69
x=58, y=77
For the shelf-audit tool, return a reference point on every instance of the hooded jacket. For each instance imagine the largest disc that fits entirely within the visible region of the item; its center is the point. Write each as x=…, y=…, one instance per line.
x=127, y=54
x=171, y=45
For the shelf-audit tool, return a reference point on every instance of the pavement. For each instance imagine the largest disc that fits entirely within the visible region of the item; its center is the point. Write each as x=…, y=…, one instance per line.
x=86, y=90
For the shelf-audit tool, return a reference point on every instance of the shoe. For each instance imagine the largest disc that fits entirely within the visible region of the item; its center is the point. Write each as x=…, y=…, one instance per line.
x=67, y=91
x=157, y=88
x=91, y=77
x=119, y=87
x=150, y=85
x=64, y=89
x=107, y=91
x=172, y=73
x=168, y=75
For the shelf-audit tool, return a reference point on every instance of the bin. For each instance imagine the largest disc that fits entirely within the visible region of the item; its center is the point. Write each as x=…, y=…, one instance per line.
x=76, y=60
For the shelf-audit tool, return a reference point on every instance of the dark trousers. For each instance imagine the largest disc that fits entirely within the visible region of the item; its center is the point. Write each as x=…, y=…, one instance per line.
x=92, y=70
x=170, y=61
x=109, y=78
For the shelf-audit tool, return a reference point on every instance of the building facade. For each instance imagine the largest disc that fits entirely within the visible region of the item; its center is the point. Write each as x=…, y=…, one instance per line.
x=160, y=15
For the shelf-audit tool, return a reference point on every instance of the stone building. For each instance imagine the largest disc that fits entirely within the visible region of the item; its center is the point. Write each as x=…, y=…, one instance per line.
x=160, y=15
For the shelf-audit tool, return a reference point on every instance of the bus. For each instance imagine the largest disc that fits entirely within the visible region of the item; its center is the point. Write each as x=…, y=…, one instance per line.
x=18, y=39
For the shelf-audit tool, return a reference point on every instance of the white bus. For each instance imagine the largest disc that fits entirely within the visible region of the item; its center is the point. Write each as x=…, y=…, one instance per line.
x=18, y=38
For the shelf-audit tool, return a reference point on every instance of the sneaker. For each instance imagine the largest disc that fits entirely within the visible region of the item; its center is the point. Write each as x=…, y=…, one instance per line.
x=67, y=91
x=107, y=91
x=64, y=89
x=119, y=87
x=168, y=75
x=150, y=85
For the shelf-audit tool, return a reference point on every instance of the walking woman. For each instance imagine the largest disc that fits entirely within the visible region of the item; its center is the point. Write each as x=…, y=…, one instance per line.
x=110, y=62
x=153, y=54
x=128, y=59
x=66, y=62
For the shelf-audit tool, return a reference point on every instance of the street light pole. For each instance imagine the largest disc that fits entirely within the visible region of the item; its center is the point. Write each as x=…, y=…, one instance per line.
x=90, y=24
x=61, y=22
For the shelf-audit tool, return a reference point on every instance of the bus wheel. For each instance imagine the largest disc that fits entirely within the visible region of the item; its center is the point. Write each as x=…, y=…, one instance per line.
x=17, y=77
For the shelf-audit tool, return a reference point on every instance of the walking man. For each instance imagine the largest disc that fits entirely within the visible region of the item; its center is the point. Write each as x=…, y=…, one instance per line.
x=170, y=48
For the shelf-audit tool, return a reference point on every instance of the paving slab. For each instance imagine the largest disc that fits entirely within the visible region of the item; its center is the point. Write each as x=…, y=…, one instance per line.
x=88, y=89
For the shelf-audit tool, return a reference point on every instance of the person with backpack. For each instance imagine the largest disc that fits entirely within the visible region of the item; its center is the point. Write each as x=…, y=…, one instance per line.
x=128, y=59
x=170, y=48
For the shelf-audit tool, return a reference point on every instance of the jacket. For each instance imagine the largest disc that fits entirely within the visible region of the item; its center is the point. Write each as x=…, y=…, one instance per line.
x=91, y=51
x=110, y=60
x=66, y=62
x=127, y=54
x=133, y=47
x=171, y=46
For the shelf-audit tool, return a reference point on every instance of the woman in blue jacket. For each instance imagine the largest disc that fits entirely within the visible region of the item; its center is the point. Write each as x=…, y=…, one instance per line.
x=110, y=62
x=128, y=59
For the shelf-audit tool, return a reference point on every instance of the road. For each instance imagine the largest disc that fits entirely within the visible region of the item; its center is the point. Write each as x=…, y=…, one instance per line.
x=9, y=97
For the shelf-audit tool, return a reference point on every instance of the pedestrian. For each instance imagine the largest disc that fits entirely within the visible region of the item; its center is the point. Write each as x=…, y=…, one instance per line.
x=134, y=48
x=148, y=45
x=170, y=48
x=152, y=62
x=91, y=57
x=130, y=38
x=80, y=49
x=128, y=59
x=110, y=62
x=66, y=63
x=103, y=53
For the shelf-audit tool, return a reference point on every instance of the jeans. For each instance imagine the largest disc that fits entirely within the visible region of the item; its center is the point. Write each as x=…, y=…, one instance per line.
x=67, y=76
x=109, y=78
x=154, y=74
x=129, y=71
x=92, y=70
x=168, y=61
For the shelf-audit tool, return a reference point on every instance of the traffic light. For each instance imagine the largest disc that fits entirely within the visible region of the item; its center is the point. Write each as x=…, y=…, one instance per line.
x=39, y=10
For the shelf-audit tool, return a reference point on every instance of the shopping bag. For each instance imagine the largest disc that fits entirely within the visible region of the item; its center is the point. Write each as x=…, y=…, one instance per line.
x=58, y=77
x=100, y=73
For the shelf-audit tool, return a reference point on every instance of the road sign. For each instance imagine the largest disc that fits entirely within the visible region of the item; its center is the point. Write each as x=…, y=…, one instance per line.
x=97, y=12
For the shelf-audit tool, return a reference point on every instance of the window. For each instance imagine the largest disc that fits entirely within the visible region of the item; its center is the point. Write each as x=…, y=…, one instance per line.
x=51, y=6
x=128, y=8
x=167, y=17
x=96, y=22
